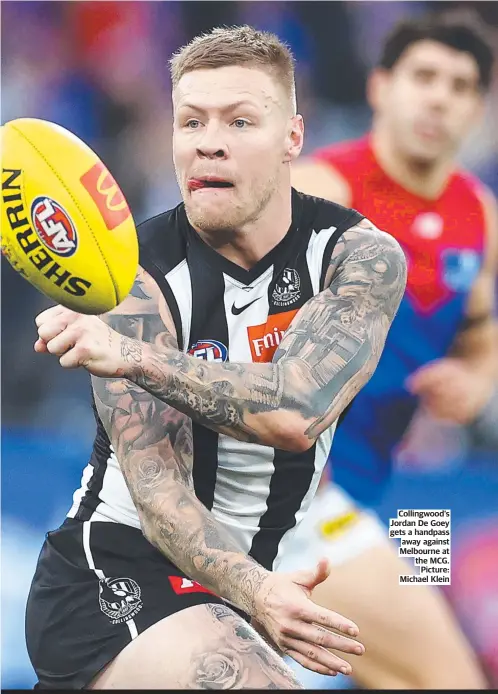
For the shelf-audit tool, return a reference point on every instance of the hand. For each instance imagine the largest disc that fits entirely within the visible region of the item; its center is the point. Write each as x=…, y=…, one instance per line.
x=451, y=389
x=299, y=627
x=80, y=340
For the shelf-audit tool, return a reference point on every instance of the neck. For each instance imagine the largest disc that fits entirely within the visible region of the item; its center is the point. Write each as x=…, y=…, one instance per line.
x=426, y=179
x=246, y=245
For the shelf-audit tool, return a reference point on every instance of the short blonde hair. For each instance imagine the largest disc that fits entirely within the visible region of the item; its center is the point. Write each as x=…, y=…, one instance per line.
x=238, y=45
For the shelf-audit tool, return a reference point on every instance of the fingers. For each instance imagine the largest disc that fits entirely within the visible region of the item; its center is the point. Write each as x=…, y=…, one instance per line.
x=309, y=578
x=310, y=664
x=319, y=636
x=317, y=656
x=78, y=341
x=423, y=378
x=52, y=312
x=51, y=328
x=64, y=347
x=418, y=382
x=40, y=346
x=58, y=332
x=322, y=572
x=62, y=342
x=432, y=376
x=309, y=611
x=71, y=359
x=327, y=618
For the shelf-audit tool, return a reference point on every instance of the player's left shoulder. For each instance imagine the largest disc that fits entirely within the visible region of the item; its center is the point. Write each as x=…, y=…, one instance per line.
x=348, y=222
x=369, y=235
x=320, y=214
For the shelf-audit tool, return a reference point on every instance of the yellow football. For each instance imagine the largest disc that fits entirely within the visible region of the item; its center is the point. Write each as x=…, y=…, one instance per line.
x=66, y=226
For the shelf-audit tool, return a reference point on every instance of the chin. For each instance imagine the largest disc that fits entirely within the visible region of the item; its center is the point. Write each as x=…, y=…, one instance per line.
x=214, y=225
x=423, y=155
x=426, y=153
x=212, y=221
x=217, y=215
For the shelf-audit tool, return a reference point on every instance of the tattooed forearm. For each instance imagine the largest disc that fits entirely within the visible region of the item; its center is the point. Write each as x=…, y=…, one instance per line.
x=153, y=444
x=328, y=353
x=199, y=544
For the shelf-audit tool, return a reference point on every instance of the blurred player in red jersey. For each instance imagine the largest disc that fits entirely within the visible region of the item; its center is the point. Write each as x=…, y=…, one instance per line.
x=441, y=353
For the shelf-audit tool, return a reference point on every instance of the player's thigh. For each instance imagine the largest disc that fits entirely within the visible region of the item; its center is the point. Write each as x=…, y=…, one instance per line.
x=102, y=595
x=410, y=635
x=203, y=647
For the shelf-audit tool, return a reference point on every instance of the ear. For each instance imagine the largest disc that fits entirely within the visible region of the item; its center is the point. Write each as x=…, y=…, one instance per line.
x=377, y=83
x=295, y=138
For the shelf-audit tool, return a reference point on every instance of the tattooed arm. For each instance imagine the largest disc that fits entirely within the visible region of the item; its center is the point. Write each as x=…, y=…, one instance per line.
x=329, y=352
x=153, y=444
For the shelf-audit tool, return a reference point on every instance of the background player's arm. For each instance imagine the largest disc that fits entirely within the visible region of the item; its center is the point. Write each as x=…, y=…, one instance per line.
x=477, y=342
x=328, y=353
x=318, y=178
x=459, y=387
x=153, y=443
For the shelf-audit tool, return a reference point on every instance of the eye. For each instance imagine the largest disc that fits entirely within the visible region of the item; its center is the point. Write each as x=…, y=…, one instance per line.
x=424, y=76
x=240, y=123
x=193, y=124
x=462, y=86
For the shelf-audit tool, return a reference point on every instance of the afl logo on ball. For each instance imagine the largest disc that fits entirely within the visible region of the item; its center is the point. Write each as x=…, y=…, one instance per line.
x=209, y=350
x=53, y=226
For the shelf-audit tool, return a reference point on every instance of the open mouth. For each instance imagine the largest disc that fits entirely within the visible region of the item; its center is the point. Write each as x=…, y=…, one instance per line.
x=199, y=183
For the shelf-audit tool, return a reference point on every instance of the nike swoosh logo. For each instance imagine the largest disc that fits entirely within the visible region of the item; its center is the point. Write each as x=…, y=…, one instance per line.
x=237, y=311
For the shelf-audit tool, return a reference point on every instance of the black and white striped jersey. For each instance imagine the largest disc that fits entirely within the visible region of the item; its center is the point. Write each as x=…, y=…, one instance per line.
x=224, y=312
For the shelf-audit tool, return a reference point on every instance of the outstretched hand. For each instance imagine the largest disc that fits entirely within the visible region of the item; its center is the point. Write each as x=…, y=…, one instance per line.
x=300, y=628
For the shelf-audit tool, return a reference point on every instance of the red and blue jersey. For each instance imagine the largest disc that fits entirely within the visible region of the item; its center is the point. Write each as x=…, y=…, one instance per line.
x=443, y=241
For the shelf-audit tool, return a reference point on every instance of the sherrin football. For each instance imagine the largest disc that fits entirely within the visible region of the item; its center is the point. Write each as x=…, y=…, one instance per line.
x=66, y=226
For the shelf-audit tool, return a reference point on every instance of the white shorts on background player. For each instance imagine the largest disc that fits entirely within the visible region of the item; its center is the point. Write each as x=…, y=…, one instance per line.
x=333, y=527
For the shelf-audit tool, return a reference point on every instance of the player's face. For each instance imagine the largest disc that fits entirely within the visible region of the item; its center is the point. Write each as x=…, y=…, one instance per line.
x=429, y=100
x=234, y=135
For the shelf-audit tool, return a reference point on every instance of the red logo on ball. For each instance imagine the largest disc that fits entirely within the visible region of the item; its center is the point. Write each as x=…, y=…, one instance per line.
x=107, y=195
x=54, y=226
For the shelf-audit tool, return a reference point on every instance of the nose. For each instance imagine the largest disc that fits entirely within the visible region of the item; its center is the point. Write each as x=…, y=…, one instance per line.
x=212, y=145
x=440, y=95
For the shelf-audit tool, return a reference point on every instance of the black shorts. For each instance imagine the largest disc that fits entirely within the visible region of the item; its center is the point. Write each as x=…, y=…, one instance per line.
x=96, y=587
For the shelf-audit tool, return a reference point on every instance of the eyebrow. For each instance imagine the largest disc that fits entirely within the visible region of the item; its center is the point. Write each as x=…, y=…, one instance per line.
x=224, y=109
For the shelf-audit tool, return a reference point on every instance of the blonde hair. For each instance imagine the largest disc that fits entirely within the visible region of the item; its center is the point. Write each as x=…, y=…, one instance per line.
x=238, y=45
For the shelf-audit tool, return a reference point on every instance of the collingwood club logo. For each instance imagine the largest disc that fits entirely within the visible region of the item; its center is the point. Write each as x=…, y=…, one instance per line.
x=287, y=289
x=119, y=598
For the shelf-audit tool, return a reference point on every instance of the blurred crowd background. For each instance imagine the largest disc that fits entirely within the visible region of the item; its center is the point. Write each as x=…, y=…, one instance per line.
x=100, y=69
